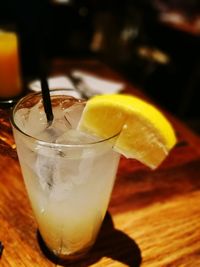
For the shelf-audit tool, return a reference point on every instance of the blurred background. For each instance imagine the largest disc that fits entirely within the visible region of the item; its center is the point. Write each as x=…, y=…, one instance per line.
x=152, y=43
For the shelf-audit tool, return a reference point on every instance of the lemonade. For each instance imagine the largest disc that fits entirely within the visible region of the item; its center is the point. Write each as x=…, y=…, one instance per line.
x=69, y=175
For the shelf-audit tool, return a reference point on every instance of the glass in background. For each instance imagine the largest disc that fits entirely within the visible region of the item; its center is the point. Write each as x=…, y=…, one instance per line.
x=10, y=71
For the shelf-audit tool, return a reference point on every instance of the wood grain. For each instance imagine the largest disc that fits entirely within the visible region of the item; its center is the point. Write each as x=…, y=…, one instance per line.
x=153, y=217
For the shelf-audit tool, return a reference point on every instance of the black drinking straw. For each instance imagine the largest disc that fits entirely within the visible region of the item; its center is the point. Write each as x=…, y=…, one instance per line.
x=38, y=32
x=46, y=98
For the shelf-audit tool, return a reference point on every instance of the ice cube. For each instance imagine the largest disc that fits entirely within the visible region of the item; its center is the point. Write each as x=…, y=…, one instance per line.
x=73, y=114
x=75, y=137
x=60, y=191
x=59, y=126
x=53, y=169
x=64, y=171
x=21, y=117
x=44, y=168
x=50, y=134
x=36, y=121
x=85, y=167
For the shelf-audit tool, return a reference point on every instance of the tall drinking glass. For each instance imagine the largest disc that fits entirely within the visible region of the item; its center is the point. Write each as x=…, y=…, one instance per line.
x=69, y=175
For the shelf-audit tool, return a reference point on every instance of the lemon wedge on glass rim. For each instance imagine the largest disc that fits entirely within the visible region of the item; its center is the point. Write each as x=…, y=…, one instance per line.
x=144, y=132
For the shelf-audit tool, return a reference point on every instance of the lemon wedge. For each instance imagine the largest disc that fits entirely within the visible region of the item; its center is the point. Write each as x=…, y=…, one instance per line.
x=144, y=132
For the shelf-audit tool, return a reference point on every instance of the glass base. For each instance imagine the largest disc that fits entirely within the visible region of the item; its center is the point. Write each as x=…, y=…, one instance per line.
x=61, y=258
x=7, y=103
x=73, y=257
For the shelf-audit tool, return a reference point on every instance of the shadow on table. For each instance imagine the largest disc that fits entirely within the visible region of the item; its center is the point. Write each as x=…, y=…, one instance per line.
x=111, y=243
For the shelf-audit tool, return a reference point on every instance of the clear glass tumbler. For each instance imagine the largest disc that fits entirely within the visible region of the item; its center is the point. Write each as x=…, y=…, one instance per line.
x=69, y=183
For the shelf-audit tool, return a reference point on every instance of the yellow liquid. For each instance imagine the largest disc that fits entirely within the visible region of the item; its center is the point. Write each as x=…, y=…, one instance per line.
x=69, y=217
x=10, y=79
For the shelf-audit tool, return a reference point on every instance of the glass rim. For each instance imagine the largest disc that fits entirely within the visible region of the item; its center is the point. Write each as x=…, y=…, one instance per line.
x=46, y=143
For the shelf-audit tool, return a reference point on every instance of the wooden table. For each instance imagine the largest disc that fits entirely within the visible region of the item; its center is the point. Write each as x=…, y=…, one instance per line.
x=153, y=218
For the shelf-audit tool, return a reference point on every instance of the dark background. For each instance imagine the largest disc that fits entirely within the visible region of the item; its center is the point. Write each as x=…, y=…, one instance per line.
x=129, y=36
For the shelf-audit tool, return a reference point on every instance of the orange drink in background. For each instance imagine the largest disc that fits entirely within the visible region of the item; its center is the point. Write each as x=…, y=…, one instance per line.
x=10, y=76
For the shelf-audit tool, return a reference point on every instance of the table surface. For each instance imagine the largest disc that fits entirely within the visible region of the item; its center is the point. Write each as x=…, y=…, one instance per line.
x=153, y=216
